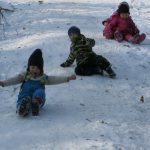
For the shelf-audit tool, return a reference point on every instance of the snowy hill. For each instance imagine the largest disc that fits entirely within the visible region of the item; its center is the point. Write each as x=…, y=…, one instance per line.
x=91, y=113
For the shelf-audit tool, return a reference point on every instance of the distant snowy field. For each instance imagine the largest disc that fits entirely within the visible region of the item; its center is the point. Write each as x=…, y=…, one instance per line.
x=91, y=113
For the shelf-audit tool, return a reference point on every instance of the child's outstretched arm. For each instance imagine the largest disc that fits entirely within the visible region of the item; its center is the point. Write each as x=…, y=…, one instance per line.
x=70, y=59
x=60, y=79
x=12, y=81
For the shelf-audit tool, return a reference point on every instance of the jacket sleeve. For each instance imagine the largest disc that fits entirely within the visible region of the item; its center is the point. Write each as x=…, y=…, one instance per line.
x=112, y=24
x=134, y=27
x=86, y=45
x=121, y=28
x=70, y=59
x=14, y=80
x=108, y=20
x=56, y=80
x=90, y=42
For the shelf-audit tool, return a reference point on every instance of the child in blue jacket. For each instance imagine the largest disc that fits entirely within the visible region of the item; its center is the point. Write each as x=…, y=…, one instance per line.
x=32, y=93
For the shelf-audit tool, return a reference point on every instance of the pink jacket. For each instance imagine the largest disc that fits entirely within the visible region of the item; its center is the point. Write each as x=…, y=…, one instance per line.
x=117, y=24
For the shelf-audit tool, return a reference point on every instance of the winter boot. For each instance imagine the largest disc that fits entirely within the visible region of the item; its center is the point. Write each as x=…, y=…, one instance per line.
x=110, y=72
x=141, y=38
x=35, y=106
x=24, y=108
x=137, y=39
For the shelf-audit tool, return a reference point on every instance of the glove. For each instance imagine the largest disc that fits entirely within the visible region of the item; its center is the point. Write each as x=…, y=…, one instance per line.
x=72, y=77
x=118, y=36
x=1, y=84
x=63, y=65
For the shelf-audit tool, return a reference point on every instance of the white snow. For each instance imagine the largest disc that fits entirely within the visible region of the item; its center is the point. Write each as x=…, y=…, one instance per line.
x=91, y=113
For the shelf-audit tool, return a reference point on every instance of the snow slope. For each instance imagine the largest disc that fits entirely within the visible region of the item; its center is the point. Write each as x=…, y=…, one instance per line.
x=91, y=113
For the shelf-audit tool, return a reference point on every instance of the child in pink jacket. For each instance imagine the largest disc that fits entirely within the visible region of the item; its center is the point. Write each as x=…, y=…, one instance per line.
x=120, y=26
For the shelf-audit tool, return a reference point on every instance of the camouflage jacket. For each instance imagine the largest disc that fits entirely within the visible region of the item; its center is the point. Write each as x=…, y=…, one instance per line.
x=80, y=50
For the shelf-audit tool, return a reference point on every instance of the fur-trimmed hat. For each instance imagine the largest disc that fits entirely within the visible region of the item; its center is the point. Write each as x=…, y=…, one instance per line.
x=74, y=29
x=123, y=8
x=36, y=59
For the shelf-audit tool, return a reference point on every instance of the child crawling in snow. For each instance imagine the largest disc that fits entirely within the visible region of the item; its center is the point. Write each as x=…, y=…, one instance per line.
x=32, y=93
x=120, y=26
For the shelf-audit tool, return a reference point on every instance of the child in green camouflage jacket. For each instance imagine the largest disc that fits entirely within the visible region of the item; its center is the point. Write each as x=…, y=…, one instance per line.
x=88, y=62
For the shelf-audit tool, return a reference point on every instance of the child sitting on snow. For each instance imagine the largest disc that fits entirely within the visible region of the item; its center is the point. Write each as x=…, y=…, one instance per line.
x=120, y=26
x=32, y=93
x=88, y=63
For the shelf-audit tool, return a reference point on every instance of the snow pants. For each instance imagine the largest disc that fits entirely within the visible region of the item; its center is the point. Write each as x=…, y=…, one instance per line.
x=93, y=63
x=109, y=34
x=31, y=89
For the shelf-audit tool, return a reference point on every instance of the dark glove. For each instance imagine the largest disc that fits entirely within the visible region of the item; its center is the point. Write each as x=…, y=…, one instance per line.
x=63, y=65
x=118, y=36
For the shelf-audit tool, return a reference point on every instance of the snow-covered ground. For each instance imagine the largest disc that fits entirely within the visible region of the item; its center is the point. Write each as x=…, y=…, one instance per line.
x=91, y=113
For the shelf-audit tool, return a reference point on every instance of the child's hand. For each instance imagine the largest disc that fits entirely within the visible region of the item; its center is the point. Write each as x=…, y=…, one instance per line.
x=1, y=83
x=63, y=65
x=118, y=36
x=72, y=77
x=105, y=23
